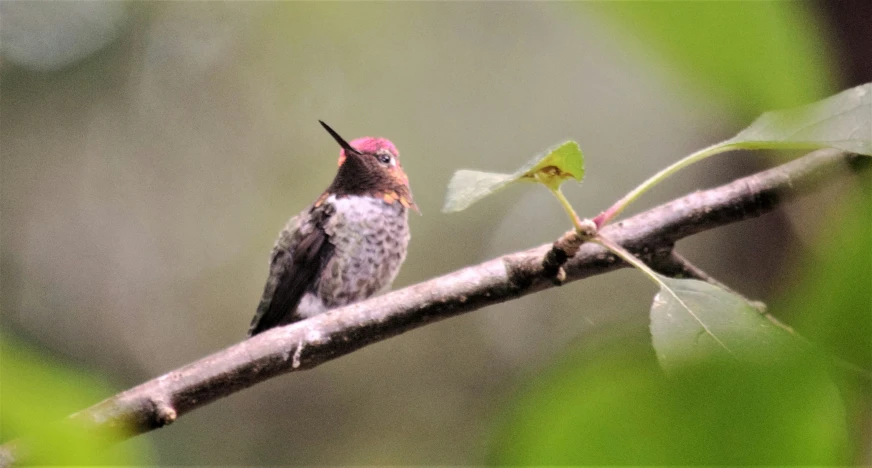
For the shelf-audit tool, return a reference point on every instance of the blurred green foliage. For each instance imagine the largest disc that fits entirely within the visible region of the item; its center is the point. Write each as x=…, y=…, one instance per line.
x=611, y=404
x=752, y=56
x=37, y=393
x=831, y=303
x=830, y=300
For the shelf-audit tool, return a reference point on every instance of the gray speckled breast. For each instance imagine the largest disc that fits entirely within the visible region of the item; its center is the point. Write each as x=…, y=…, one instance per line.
x=370, y=239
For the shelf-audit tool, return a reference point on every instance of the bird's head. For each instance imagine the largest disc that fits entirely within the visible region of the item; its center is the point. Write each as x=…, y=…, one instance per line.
x=370, y=166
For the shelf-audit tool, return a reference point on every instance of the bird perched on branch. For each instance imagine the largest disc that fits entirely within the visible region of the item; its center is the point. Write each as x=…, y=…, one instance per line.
x=346, y=246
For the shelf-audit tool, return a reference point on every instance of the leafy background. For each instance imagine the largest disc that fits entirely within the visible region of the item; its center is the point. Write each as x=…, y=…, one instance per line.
x=151, y=151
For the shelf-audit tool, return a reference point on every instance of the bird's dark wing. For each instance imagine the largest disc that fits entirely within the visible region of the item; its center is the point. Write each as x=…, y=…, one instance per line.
x=299, y=256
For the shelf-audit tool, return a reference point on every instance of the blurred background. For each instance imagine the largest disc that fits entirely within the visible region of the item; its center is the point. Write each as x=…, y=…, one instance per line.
x=151, y=151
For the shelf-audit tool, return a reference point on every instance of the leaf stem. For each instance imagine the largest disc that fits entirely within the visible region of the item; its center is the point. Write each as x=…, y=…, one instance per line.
x=576, y=221
x=629, y=258
x=664, y=288
x=619, y=206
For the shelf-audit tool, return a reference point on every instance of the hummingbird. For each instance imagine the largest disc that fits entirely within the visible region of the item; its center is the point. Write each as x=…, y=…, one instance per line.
x=346, y=246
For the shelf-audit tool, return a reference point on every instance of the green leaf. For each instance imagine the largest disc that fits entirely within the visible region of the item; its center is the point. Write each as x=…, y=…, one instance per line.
x=843, y=121
x=693, y=321
x=468, y=187
x=552, y=168
x=559, y=164
x=829, y=299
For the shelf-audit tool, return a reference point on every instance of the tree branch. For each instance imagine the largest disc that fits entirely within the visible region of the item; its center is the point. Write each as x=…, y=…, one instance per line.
x=306, y=344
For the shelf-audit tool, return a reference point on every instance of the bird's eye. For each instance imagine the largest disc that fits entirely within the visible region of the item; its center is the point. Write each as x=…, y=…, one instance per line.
x=384, y=158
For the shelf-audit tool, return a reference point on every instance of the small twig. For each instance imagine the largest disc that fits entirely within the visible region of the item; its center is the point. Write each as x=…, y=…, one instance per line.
x=687, y=269
x=678, y=266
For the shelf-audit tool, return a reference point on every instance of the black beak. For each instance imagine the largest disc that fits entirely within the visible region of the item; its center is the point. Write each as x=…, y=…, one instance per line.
x=344, y=144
